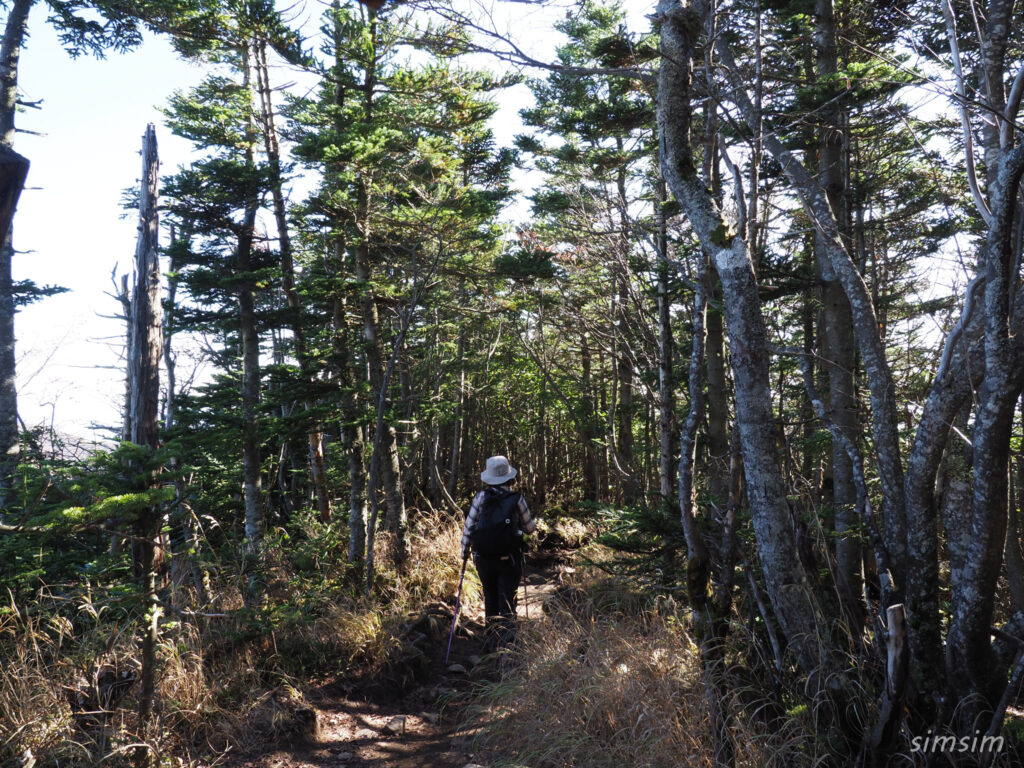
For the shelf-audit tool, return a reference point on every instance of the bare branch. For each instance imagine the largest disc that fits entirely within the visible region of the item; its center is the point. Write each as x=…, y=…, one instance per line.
x=965, y=120
x=1010, y=112
x=741, y=205
x=515, y=55
x=697, y=551
x=863, y=499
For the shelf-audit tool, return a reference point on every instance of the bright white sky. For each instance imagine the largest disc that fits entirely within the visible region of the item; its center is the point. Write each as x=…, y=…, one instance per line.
x=68, y=228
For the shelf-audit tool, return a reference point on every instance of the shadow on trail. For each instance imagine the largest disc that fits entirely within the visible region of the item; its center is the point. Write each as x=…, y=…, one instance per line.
x=412, y=716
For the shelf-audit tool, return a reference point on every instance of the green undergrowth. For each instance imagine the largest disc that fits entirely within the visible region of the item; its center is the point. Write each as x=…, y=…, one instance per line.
x=232, y=672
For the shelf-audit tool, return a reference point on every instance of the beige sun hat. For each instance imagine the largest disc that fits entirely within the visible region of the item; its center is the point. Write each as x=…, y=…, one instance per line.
x=498, y=471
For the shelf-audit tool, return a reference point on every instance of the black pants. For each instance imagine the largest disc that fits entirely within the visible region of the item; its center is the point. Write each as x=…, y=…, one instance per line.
x=499, y=576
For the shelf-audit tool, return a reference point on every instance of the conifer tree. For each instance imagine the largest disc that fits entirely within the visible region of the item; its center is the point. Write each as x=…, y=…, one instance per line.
x=219, y=196
x=594, y=143
x=411, y=185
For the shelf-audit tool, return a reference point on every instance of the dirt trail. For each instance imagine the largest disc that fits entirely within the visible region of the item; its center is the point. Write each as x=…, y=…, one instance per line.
x=377, y=724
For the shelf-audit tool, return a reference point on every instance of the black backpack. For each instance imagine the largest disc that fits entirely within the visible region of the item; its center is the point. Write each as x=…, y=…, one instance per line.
x=496, y=528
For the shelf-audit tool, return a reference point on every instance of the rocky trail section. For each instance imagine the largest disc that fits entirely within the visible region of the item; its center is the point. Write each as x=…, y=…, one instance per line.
x=415, y=722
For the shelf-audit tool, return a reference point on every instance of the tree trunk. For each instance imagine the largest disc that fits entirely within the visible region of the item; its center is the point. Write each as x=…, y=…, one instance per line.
x=455, y=456
x=785, y=580
x=184, y=540
x=351, y=429
x=698, y=561
x=624, y=361
x=718, y=443
x=1015, y=529
x=949, y=396
x=390, y=478
x=839, y=350
x=1014, y=556
x=144, y=401
x=377, y=455
x=318, y=472
x=390, y=471
x=540, y=491
x=868, y=332
x=433, y=469
x=147, y=310
x=957, y=469
x=350, y=374
x=591, y=467
x=698, y=565
x=251, y=481
x=666, y=401
x=972, y=662
x=14, y=178
x=600, y=405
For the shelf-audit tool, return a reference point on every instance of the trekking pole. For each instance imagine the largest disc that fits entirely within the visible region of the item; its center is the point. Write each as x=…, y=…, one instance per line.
x=458, y=601
x=526, y=594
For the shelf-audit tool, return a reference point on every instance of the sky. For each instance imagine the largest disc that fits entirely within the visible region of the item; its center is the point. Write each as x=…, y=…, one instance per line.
x=70, y=229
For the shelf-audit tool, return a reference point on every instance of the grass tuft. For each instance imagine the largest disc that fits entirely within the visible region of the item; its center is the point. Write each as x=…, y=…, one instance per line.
x=603, y=680
x=227, y=677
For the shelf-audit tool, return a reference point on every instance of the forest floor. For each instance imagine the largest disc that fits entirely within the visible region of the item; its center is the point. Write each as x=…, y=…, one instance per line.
x=422, y=723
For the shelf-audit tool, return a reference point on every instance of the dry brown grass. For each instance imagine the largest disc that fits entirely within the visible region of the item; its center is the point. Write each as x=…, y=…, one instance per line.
x=226, y=681
x=433, y=566
x=611, y=678
x=33, y=711
x=48, y=658
x=605, y=680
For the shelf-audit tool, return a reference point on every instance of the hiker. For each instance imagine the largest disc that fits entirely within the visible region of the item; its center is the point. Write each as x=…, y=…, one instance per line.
x=496, y=528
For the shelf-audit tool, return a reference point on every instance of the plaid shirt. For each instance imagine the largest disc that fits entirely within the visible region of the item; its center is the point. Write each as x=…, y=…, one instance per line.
x=526, y=523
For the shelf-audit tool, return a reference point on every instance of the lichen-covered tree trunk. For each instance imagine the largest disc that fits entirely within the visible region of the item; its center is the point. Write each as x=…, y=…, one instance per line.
x=697, y=560
x=666, y=401
x=786, y=583
x=865, y=324
x=945, y=400
x=1014, y=554
x=717, y=407
x=972, y=666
